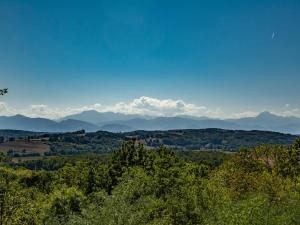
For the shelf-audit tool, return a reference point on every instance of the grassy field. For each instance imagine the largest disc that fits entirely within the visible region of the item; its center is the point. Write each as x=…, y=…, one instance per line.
x=24, y=147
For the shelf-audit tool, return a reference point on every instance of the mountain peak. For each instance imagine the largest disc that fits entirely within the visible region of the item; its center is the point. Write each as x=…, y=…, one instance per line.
x=19, y=116
x=92, y=111
x=266, y=114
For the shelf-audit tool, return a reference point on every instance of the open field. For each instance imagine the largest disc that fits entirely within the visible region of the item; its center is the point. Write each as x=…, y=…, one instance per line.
x=24, y=146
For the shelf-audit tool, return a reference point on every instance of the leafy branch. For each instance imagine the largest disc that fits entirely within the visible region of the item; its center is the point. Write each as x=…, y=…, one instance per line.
x=3, y=91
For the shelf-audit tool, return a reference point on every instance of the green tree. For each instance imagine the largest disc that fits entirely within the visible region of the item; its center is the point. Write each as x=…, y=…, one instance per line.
x=3, y=91
x=63, y=204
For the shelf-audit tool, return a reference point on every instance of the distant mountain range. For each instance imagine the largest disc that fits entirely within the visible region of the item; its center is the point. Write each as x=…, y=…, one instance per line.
x=19, y=122
x=102, y=118
x=118, y=122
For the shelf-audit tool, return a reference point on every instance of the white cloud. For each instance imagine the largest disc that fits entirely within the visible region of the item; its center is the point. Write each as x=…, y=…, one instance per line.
x=156, y=107
x=41, y=111
x=6, y=110
x=55, y=113
x=292, y=112
x=143, y=105
x=244, y=114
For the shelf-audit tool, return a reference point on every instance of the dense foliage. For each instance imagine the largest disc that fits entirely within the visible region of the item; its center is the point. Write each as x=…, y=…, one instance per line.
x=202, y=139
x=17, y=133
x=101, y=142
x=139, y=186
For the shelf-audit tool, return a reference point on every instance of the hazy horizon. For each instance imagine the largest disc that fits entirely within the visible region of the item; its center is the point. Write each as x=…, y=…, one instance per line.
x=143, y=106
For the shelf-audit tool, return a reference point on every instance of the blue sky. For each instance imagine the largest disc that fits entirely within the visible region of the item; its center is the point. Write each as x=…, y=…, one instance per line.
x=229, y=56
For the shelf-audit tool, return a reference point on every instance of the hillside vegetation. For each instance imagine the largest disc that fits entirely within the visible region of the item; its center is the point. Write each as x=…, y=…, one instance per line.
x=205, y=139
x=135, y=186
x=101, y=142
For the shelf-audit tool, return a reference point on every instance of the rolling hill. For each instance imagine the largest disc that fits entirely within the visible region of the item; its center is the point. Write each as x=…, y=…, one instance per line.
x=188, y=139
x=104, y=142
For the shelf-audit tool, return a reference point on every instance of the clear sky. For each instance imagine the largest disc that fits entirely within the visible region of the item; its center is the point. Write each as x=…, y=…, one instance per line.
x=227, y=57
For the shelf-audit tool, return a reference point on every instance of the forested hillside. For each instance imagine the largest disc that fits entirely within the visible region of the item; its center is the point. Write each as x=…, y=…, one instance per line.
x=28, y=144
x=201, y=139
x=139, y=186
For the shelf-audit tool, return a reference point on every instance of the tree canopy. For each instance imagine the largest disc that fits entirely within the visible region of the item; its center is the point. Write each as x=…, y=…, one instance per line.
x=135, y=185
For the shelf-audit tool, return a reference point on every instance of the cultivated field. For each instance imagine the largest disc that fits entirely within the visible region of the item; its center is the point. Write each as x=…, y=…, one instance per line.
x=24, y=146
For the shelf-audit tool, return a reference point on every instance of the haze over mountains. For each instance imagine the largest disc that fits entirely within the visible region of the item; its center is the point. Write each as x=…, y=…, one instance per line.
x=19, y=122
x=100, y=118
x=118, y=122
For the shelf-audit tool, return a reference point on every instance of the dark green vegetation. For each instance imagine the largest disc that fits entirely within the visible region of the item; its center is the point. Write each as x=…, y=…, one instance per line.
x=27, y=144
x=139, y=186
x=17, y=133
x=3, y=91
x=206, y=139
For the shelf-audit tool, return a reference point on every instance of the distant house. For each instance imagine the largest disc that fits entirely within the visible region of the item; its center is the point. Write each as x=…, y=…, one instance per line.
x=11, y=139
x=38, y=139
x=132, y=138
x=209, y=146
x=34, y=139
x=45, y=138
x=80, y=133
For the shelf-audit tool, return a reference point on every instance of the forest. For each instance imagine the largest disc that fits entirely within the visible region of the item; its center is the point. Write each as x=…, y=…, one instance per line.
x=136, y=185
x=186, y=139
x=24, y=145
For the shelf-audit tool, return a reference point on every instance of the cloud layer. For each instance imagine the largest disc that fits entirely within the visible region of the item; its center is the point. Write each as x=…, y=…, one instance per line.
x=143, y=105
x=156, y=107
